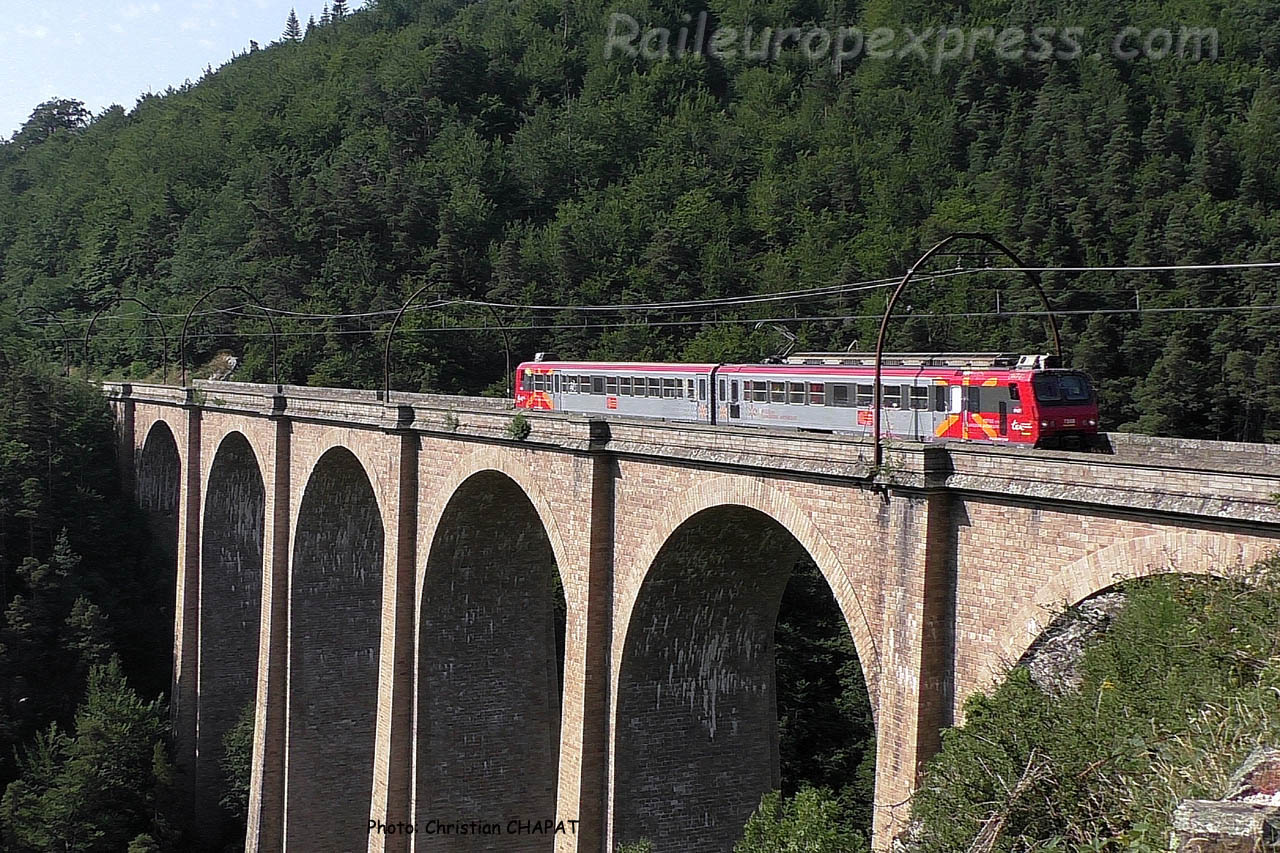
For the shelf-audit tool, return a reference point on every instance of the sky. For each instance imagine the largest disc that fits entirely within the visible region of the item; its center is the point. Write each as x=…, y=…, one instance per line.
x=106, y=53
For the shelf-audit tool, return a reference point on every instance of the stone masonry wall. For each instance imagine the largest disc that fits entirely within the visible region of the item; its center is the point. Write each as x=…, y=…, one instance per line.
x=334, y=633
x=696, y=743
x=488, y=681
x=230, y=614
x=946, y=563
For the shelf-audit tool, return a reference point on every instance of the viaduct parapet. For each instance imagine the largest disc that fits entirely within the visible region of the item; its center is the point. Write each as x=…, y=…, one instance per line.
x=379, y=583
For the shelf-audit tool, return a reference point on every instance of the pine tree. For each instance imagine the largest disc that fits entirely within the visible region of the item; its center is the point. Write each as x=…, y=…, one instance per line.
x=339, y=9
x=325, y=17
x=292, y=29
x=311, y=24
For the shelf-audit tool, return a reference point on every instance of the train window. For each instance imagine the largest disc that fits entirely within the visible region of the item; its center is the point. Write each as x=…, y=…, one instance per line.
x=689, y=388
x=669, y=389
x=702, y=389
x=597, y=384
x=866, y=394
x=611, y=386
x=919, y=397
x=557, y=383
x=571, y=384
x=655, y=387
x=760, y=392
x=939, y=398
x=972, y=398
x=638, y=386
x=734, y=385
x=891, y=396
x=840, y=395
x=777, y=392
x=1075, y=389
x=624, y=386
x=817, y=394
x=1046, y=389
x=956, y=392
x=1013, y=391
x=795, y=393
x=722, y=394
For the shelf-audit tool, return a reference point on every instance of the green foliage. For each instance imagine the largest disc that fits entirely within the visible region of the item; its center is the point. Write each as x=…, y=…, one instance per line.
x=826, y=732
x=641, y=846
x=237, y=765
x=493, y=151
x=92, y=790
x=809, y=822
x=78, y=582
x=1177, y=692
x=519, y=428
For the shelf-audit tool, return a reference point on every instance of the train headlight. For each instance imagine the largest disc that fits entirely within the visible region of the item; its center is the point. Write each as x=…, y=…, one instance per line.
x=1091, y=422
x=1044, y=424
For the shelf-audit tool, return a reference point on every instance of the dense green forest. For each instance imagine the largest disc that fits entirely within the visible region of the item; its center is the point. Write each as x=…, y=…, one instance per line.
x=491, y=151
x=86, y=629
x=1180, y=689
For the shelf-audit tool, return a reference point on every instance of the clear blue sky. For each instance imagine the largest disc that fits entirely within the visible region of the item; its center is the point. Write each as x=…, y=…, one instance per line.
x=106, y=53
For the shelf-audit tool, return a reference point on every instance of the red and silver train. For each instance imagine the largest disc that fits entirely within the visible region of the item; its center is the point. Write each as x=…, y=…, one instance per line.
x=987, y=397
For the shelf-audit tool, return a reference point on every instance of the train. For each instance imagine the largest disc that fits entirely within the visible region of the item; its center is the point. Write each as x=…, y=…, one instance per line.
x=926, y=397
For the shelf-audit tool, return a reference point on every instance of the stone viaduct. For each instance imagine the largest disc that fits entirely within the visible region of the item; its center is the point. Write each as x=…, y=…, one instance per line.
x=380, y=583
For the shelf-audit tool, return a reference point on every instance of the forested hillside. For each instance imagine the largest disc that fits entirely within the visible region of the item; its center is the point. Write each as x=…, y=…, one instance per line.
x=87, y=599
x=493, y=151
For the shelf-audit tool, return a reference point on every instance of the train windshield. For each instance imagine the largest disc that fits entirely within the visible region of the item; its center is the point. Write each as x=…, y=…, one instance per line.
x=1062, y=389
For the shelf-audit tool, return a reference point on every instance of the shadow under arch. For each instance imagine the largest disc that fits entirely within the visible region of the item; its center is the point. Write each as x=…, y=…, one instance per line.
x=231, y=556
x=696, y=712
x=490, y=663
x=335, y=606
x=157, y=484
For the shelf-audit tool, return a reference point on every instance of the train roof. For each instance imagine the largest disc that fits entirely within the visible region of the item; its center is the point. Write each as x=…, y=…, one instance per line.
x=623, y=366
x=897, y=365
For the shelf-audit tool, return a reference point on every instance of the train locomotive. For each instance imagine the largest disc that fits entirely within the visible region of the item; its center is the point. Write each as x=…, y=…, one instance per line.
x=927, y=397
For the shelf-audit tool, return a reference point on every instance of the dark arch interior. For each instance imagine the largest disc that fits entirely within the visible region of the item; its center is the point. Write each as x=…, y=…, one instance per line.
x=334, y=629
x=698, y=702
x=490, y=659
x=826, y=729
x=230, y=610
x=157, y=483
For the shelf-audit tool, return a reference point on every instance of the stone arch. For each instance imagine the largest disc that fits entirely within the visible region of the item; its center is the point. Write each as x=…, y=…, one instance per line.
x=696, y=740
x=489, y=662
x=312, y=443
x=335, y=597
x=1183, y=552
x=755, y=494
x=231, y=554
x=508, y=463
x=158, y=484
